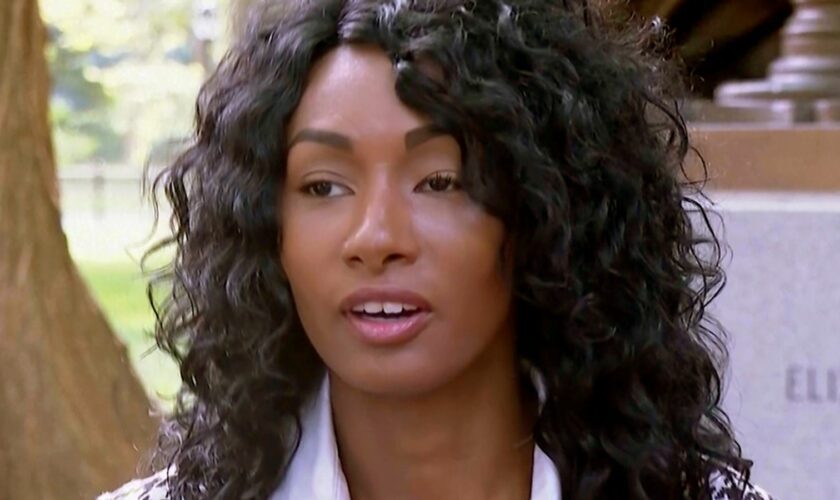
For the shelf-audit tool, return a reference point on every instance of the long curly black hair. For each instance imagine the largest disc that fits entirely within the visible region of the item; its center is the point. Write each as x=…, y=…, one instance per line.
x=571, y=136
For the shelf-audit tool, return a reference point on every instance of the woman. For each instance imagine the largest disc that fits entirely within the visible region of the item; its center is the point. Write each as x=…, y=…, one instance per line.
x=438, y=250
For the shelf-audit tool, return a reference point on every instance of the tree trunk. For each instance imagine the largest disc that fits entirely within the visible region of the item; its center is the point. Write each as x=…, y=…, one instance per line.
x=73, y=418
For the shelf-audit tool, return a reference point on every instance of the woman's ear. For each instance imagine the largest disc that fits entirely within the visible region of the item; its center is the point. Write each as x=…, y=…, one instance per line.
x=281, y=268
x=507, y=255
x=281, y=271
x=278, y=259
x=278, y=217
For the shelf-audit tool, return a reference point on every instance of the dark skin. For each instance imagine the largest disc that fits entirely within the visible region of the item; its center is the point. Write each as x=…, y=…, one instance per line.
x=372, y=198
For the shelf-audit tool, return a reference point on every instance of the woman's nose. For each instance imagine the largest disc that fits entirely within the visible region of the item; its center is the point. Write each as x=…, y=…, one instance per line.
x=382, y=232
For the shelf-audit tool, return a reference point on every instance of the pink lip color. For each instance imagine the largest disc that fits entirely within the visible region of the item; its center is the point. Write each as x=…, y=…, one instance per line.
x=387, y=332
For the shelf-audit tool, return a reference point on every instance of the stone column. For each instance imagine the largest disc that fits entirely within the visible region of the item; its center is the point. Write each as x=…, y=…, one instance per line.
x=806, y=78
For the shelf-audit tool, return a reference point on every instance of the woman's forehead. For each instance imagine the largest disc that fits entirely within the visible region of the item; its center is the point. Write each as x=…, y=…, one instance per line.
x=351, y=89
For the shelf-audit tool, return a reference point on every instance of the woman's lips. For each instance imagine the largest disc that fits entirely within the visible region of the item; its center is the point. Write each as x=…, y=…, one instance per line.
x=388, y=331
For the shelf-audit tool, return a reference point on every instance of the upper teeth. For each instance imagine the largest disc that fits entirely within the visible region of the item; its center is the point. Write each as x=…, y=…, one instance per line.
x=386, y=307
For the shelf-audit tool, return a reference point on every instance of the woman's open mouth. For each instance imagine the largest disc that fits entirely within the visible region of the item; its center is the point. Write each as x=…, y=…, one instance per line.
x=386, y=316
x=388, y=326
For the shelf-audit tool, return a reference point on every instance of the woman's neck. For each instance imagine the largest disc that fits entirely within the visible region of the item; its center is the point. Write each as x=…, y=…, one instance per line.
x=470, y=439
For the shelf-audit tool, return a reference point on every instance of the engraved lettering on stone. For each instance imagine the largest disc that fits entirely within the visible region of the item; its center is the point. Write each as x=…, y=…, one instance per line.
x=812, y=384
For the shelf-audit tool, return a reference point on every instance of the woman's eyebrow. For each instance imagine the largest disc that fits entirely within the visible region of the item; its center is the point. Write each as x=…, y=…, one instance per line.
x=325, y=137
x=413, y=137
x=419, y=135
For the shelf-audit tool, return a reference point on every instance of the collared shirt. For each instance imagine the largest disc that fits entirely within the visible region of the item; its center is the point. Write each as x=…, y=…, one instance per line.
x=315, y=471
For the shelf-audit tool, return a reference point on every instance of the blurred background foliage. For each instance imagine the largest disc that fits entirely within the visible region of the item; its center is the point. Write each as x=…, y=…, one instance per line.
x=125, y=75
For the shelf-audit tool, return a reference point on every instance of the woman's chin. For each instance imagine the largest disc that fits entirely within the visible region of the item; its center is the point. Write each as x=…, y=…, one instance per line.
x=399, y=380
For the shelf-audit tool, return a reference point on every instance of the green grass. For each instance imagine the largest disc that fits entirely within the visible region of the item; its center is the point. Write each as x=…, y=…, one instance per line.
x=120, y=290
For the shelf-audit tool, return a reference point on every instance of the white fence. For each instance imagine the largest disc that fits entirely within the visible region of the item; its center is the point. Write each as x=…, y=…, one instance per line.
x=104, y=214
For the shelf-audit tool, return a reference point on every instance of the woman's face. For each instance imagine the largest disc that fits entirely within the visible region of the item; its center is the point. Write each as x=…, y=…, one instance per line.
x=395, y=271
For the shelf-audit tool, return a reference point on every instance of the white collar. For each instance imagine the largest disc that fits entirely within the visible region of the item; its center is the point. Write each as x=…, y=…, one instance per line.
x=315, y=471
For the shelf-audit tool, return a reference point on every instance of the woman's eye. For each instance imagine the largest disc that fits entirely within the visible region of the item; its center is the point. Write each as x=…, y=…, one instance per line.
x=441, y=182
x=324, y=189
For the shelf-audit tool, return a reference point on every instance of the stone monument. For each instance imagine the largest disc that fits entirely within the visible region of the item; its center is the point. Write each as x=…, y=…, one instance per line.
x=803, y=85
